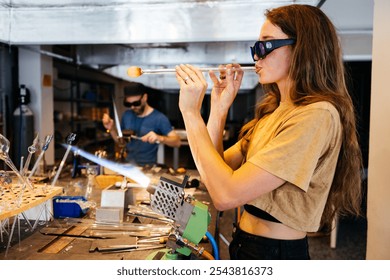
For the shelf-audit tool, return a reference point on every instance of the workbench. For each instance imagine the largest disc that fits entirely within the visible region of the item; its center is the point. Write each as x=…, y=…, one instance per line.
x=75, y=244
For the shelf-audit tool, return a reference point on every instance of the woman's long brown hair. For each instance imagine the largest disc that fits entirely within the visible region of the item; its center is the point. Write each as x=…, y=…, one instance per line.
x=318, y=74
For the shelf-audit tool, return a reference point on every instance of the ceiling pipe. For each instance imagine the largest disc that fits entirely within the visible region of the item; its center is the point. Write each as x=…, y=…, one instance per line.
x=319, y=5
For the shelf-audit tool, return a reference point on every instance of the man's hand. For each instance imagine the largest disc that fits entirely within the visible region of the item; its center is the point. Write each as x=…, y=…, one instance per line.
x=152, y=138
x=107, y=122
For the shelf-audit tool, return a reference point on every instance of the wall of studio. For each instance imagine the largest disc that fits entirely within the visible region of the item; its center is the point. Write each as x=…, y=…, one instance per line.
x=378, y=206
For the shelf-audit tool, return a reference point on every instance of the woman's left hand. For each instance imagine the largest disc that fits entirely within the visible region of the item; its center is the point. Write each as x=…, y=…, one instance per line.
x=193, y=87
x=225, y=87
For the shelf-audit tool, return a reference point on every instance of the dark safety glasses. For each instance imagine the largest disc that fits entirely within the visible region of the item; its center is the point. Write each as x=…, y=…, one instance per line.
x=132, y=104
x=263, y=48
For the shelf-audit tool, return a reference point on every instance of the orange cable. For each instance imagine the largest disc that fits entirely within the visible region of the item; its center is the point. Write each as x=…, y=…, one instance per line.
x=207, y=255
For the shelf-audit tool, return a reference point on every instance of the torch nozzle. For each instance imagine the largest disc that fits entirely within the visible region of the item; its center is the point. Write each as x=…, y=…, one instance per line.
x=151, y=189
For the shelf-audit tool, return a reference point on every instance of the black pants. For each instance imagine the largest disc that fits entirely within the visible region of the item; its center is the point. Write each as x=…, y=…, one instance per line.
x=246, y=246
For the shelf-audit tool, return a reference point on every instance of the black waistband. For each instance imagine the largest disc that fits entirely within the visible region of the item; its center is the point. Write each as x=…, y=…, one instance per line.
x=257, y=212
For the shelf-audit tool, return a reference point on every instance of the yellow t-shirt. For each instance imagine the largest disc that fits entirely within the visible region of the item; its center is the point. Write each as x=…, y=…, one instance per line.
x=299, y=144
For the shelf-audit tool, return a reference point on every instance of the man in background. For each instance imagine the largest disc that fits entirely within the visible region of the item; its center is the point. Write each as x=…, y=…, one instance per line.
x=148, y=127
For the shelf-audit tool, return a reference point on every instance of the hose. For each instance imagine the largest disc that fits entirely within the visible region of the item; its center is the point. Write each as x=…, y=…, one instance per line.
x=207, y=255
x=214, y=245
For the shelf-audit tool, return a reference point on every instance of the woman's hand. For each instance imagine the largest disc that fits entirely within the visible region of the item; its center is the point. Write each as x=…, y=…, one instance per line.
x=193, y=87
x=225, y=87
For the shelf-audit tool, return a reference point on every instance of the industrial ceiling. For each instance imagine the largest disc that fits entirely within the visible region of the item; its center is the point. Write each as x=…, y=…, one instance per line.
x=113, y=35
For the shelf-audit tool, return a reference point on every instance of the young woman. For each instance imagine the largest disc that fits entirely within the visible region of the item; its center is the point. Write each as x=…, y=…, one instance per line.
x=297, y=163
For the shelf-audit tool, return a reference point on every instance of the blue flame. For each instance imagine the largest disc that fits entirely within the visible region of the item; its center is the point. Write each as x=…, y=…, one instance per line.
x=126, y=170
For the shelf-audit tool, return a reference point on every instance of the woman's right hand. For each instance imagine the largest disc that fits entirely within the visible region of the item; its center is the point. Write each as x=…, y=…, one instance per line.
x=225, y=87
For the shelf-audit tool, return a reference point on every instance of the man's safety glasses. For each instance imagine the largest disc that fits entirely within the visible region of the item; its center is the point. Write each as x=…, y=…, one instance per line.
x=132, y=104
x=263, y=48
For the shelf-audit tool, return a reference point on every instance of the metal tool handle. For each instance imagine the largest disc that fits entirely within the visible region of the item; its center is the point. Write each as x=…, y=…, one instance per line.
x=203, y=69
x=117, y=124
